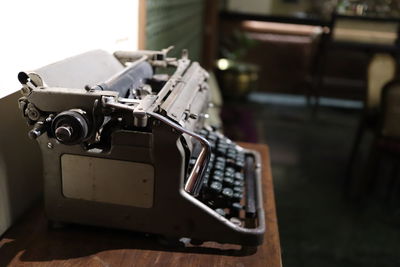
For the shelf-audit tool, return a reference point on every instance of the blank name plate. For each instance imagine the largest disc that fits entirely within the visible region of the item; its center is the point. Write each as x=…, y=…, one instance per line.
x=107, y=180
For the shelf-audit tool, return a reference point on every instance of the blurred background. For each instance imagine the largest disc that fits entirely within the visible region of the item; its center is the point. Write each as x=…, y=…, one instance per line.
x=316, y=80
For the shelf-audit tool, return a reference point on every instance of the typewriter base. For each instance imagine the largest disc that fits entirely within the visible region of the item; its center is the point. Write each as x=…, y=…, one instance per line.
x=173, y=212
x=30, y=243
x=169, y=243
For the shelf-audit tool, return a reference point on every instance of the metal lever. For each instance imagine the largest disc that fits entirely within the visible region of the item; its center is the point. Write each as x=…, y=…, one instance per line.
x=194, y=181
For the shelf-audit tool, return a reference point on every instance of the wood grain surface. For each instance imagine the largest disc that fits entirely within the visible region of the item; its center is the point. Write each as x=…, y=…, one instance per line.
x=31, y=243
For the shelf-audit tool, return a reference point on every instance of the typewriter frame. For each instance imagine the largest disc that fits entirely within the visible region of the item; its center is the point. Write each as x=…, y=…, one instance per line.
x=175, y=211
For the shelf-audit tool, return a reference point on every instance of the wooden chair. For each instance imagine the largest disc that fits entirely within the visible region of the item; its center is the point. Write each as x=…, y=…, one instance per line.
x=385, y=154
x=381, y=174
x=360, y=43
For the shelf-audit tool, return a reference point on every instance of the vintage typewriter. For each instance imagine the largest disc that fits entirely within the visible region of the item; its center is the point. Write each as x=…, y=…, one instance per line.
x=135, y=152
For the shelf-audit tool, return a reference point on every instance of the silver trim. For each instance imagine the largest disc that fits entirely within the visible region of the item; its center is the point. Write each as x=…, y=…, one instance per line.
x=195, y=179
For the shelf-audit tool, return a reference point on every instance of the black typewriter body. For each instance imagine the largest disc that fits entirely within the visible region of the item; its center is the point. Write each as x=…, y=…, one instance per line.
x=135, y=152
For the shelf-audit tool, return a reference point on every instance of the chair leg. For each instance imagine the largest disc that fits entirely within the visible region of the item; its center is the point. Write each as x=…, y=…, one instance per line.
x=315, y=106
x=318, y=72
x=349, y=179
x=308, y=97
x=396, y=190
x=393, y=185
x=373, y=167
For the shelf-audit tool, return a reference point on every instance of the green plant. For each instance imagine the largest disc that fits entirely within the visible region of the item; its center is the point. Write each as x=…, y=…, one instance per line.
x=236, y=46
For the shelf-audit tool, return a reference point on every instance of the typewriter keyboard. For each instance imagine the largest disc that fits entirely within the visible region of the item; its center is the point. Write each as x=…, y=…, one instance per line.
x=229, y=182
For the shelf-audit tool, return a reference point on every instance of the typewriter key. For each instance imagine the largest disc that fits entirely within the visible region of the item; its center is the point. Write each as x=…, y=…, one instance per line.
x=238, y=189
x=238, y=183
x=217, y=178
x=237, y=195
x=228, y=181
x=229, y=175
x=239, y=176
x=218, y=173
x=227, y=192
x=216, y=187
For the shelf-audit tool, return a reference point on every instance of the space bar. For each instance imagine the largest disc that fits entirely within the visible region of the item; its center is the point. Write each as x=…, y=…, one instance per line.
x=250, y=187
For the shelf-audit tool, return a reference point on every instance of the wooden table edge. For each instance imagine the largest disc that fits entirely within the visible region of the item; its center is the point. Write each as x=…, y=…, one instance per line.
x=27, y=232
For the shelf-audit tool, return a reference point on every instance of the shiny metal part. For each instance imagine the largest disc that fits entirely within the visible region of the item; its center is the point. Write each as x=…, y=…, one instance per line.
x=38, y=130
x=195, y=179
x=64, y=133
x=32, y=113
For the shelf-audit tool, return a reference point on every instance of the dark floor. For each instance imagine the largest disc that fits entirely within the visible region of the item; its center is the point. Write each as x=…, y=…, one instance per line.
x=318, y=225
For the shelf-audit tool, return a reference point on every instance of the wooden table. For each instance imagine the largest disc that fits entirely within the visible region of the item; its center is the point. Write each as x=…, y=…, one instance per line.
x=31, y=243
